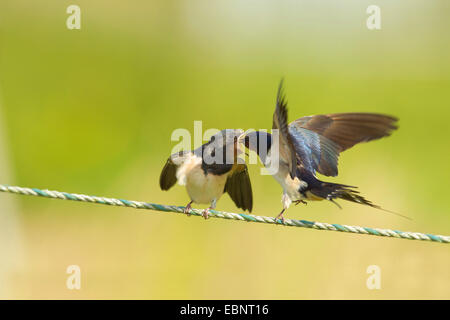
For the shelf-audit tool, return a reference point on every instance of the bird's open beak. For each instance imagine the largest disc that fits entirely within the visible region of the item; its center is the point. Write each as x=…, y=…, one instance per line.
x=242, y=136
x=241, y=145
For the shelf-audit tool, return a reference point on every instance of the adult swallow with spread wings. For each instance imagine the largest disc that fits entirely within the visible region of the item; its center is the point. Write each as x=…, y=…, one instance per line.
x=209, y=171
x=312, y=144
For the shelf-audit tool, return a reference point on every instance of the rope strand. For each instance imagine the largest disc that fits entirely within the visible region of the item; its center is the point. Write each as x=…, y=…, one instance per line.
x=226, y=215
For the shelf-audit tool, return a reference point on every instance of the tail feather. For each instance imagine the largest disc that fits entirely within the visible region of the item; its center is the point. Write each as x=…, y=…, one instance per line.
x=332, y=191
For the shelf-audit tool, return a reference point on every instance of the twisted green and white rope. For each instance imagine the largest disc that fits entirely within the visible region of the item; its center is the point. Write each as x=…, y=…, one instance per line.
x=226, y=215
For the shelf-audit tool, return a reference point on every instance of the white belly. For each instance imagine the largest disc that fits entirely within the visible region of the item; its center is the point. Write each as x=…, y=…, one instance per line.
x=204, y=188
x=290, y=186
x=201, y=188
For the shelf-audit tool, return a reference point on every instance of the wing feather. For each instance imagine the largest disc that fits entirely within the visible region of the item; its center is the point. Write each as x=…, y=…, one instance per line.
x=348, y=129
x=286, y=145
x=239, y=187
x=168, y=176
x=338, y=132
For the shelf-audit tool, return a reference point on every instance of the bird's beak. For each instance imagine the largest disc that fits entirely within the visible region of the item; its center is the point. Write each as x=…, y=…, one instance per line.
x=242, y=136
x=240, y=142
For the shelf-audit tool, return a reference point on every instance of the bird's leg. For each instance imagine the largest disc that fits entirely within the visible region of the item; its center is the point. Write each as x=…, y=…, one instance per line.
x=300, y=201
x=188, y=208
x=205, y=213
x=286, y=201
x=280, y=216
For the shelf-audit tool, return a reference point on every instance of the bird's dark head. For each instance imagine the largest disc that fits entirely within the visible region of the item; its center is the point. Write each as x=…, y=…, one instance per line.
x=226, y=139
x=222, y=150
x=259, y=142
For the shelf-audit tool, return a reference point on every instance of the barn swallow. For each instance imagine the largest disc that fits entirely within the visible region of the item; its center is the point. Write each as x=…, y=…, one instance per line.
x=312, y=144
x=211, y=170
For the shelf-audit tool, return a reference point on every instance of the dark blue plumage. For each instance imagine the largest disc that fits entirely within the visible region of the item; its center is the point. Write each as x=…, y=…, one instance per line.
x=312, y=144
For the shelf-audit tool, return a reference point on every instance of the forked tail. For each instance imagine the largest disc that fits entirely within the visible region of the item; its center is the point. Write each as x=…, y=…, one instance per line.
x=331, y=191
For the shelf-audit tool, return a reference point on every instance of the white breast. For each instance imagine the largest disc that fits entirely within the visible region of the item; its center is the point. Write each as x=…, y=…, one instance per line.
x=200, y=187
x=290, y=186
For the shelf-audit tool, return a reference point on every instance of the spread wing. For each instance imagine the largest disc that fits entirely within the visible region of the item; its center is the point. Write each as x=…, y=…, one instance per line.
x=239, y=187
x=299, y=146
x=168, y=175
x=286, y=146
x=315, y=152
x=325, y=136
x=348, y=129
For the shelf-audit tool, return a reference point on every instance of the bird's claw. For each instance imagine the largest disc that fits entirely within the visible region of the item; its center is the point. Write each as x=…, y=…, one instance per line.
x=280, y=217
x=187, y=210
x=205, y=213
x=300, y=201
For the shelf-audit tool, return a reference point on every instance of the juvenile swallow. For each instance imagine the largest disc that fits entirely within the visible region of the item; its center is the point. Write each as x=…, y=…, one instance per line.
x=211, y=170
x=312, y=144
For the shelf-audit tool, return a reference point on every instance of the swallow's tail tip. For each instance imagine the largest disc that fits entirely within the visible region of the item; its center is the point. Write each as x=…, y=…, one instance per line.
x=396, y=213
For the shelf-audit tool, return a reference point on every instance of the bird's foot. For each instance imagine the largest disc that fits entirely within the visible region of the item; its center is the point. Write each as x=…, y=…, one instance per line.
x=188, y=208
x=300, y=201
x=205, y=213
x=280, y=216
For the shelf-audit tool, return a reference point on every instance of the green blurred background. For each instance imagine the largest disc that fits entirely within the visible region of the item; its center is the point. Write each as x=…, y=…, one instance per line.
x=92, y=111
